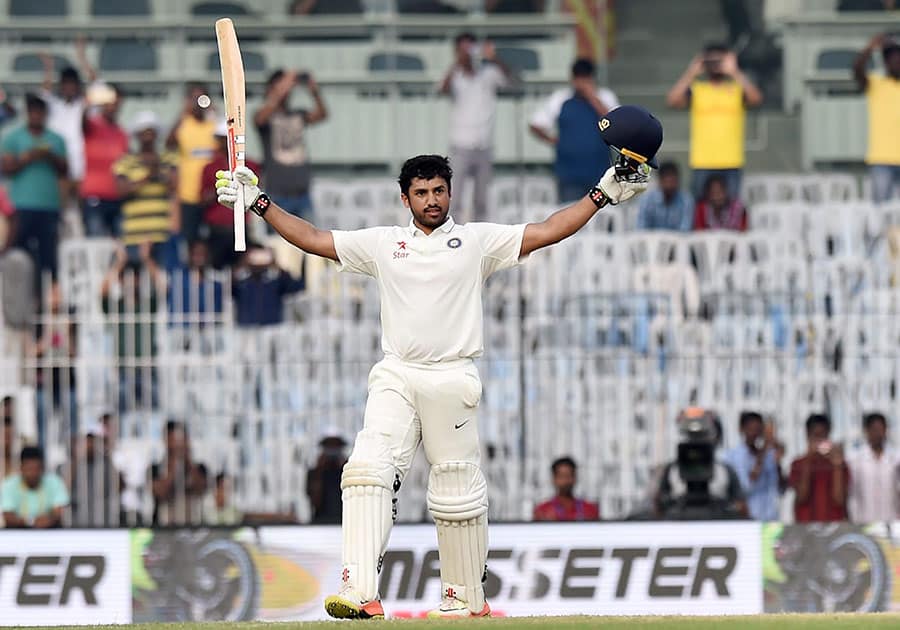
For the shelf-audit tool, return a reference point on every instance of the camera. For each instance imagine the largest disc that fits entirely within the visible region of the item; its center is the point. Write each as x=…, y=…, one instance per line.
x=303, y=77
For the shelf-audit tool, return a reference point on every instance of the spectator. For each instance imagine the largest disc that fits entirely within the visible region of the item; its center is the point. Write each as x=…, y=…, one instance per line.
x=820, y=478
x=94, y=481
x=514, y=6
x=717, y=210
x=7, y=221
x=883, y=98
x=138, y=284
x=323, y=482
x=147, y=183
x=568, y=120
x=325, y=7
x=192, y=138
x=668, y=207
x=718, y=93
x=473, y=90
x=35, y=158
x=259, y=289
x=7, y=111
x=8, y=436
x=66, y=108
x=218, y=219
x=874, y=475
x=174, y=482
x=286, y=166
x=191, y=292
x=564, y=506
x=105, y=143
x=697, y=485
x=219, y=508
x=33, y=498
x=757, y=463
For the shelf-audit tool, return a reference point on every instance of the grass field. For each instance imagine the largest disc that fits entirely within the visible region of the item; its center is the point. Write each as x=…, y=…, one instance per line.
x=779, y=622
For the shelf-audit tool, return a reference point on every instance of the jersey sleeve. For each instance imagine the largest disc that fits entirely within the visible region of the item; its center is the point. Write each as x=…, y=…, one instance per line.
x=500, y=245
x=356, y=249
x=547, y=114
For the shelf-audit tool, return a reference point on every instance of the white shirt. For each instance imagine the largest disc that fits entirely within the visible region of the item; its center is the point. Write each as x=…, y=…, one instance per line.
x=873, y=495
x=430, y=285
x=474, y=106
x=547, y=114
x=65, y=118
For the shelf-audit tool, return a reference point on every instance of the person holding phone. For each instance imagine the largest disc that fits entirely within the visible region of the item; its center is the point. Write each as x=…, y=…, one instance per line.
x=757, y=462
x=820, y=478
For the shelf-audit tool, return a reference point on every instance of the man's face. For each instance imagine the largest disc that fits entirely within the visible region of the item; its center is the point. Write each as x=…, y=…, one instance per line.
x=199, y=256
x=37, y=117
x=428, y=200
x=712, y=63
x=876, y=434
x=717, y=195
x=192, y=97
x=564, y=480
x=753, y=430
x=668, y=184
x=817, y=434
x=32, y=471
x=111, y=109
x=175, y=441
x=464, y=51
x=69, y=88
x=147, y=137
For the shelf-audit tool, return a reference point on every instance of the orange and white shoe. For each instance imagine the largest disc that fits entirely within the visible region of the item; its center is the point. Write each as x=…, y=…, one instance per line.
x=349, y=605
x=453, y=608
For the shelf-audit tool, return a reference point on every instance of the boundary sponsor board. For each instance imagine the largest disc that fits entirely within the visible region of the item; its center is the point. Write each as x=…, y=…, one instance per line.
x=64, y=577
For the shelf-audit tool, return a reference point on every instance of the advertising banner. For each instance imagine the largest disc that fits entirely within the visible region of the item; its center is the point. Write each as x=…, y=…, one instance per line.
x=64, y=577
x=283, y=573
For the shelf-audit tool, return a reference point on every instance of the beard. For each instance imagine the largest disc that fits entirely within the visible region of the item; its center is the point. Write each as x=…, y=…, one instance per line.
x=430, y=219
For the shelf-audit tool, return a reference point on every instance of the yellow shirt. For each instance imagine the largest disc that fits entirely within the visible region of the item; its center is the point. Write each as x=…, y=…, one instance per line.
x=146, y=215
x=196, y=145
x=883, y=96
x=717, y=125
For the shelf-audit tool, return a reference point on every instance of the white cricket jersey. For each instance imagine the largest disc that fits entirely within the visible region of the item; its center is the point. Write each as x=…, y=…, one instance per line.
x=430, y=285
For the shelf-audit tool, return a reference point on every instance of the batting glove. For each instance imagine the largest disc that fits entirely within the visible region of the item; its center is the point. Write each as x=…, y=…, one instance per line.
x=227, y=186
x=614, y=189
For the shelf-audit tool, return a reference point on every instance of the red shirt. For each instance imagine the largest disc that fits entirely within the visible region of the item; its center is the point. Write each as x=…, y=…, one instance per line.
x=558, y=509
x=217, y=214
x=733, y=217
x=819, y=506
x=104, y=143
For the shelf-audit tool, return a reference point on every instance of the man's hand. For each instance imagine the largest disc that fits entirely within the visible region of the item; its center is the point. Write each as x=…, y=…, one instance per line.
x=876, y=42
x=227, y=186
x=729, y=64
x=836, y=456
x=616, y=191
x=488, y=51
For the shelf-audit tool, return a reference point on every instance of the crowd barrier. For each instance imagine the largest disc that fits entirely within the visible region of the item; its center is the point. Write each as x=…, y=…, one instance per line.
x=283, y=573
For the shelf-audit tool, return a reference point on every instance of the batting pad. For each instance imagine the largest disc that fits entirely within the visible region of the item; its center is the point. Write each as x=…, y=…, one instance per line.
x=458, y=501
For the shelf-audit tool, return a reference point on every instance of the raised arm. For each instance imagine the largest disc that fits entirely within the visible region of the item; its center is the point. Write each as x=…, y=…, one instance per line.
x=294, y=230
x=862, y=60
x=274, y=97
x=81, y=54
x=752, y=96
x=678, y=96
x=564, y=223
x=320, y=112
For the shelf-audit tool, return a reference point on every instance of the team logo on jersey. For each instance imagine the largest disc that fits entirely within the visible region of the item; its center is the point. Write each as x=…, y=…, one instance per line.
x=453, y=243
x=401, y=244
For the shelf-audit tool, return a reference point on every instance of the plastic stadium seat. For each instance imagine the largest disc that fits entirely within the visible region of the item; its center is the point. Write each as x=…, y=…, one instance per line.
x=219, y=9
x=127, y=54
x=120, y=7
x=253, y=61
x=381, y=62
x=24, y=8
x=519, y=59
x=31, y=62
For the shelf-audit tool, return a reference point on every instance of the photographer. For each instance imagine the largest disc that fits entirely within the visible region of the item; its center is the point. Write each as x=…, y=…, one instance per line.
x=323, y=482
x=820, y=478
x=718, y=94
x=286, y=168
x=696, y=486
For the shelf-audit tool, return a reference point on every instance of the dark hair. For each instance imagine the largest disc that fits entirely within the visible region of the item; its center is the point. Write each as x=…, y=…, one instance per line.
x=274, y=77
x=425, y=167
x=174, y=425
x=583, y=68
x=202, y=470
x=749, y=416
x=33, y=101
x=820, y=419
x=221, y=478
x=466, y=36
x=714, y=179
x=195, y=85
x=32, y=452
x=715, y=47
x=668, y=168
x=69, y=74
x=870, y=418
x=563, y=461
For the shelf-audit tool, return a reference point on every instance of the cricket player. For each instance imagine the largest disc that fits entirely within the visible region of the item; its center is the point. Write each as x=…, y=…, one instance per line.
x=427, y=389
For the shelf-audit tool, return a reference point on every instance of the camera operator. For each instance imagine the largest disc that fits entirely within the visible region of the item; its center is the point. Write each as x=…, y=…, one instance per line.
x=696, y=486
x=323, y=483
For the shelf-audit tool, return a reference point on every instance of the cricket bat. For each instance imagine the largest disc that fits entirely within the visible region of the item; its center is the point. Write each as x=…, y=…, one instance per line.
x=235, y=111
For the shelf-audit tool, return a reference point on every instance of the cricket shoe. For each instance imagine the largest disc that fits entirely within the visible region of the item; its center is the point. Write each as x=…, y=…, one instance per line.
x=349, y=605
x=453, y=608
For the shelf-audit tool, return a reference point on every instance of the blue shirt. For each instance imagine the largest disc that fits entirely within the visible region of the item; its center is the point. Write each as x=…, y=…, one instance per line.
x=259, y=298
x=189, y=294
x=581, y=155
x=656, y=214
x=16, y=497
x=763, y=494
x=35, y=187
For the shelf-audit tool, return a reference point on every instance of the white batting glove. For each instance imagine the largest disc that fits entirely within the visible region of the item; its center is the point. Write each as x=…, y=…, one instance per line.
x=617, y=190
x=227, y=186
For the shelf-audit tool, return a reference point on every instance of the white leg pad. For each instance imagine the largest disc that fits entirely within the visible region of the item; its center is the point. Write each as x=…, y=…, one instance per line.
x=367, y=491
x=458, y=501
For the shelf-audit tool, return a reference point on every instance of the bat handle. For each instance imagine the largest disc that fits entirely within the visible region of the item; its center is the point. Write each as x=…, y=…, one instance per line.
x=240, y=207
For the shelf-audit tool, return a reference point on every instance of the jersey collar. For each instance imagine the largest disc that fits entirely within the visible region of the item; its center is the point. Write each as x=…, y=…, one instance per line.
x=445, y=227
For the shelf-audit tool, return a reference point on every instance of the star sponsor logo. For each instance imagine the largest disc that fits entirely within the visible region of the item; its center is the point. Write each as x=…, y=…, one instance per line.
x=401, y=252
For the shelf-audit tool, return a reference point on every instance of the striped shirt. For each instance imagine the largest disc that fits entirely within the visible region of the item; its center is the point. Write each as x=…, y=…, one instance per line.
x=146, y=214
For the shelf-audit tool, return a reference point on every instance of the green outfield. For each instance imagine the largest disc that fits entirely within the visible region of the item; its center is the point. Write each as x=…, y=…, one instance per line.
x=781, y=622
